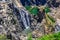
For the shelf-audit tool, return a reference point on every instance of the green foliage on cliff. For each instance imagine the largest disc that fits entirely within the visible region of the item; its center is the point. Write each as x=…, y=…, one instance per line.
x=47, y=9
x=28, y=7
x=3, y=37
x=29, y=36
x=50, y=20
x=55, y=36
x=33, y=10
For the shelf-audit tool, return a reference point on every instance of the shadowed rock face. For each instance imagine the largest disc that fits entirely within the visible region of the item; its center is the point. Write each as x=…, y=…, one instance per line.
x=32, y=2
x=1, y=21
x=53, y=3
x=41, y=15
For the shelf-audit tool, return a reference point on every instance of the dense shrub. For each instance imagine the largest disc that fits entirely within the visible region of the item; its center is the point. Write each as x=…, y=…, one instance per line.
x=33, y=10
x=29, y=36
x=55, y=36
x=3, y=37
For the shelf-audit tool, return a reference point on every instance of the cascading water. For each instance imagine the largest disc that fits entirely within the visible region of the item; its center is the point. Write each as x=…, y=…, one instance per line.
x=57, y=27
x=22, y=14
x=24, y=18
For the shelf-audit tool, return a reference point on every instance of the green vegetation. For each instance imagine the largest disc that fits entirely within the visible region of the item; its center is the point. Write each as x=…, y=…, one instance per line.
x=29, y=36
x=3, y=37
x=28, y=7
x=33, y=10
x=47, y=9
x=54, y=36
x=49, y=19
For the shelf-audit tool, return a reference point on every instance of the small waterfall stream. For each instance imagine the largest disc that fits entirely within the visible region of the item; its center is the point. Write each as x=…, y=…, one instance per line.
x=57, y=28
x=22, y=15
x=24, y=18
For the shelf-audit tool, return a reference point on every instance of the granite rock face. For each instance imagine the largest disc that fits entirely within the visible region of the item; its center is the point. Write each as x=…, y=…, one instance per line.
x=16, y=22
x=9, y=24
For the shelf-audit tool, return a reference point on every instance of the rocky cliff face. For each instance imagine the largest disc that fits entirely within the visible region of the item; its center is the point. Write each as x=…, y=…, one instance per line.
x=14, y=21
x=9, y=23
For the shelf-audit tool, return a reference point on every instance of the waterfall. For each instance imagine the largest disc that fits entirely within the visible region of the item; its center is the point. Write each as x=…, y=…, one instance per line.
x=57, y=28
x=24, y=18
